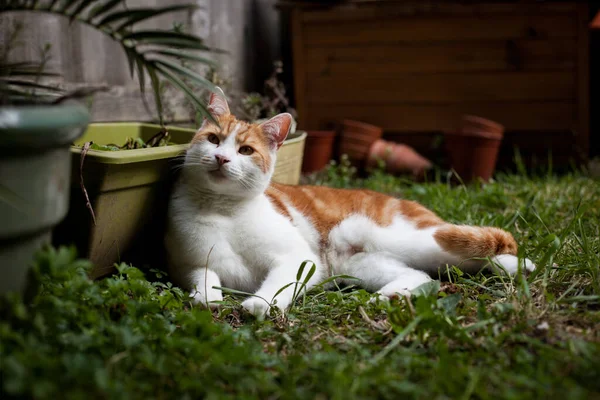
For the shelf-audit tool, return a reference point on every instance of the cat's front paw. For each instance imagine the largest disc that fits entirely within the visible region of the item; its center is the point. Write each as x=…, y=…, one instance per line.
x=206, y=299
x=256, y=306
x=511, y=264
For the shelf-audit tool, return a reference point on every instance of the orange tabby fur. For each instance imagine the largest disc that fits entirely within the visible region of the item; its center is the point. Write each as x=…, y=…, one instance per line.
x=249, y=135
x=326, y=207
x=257, y=233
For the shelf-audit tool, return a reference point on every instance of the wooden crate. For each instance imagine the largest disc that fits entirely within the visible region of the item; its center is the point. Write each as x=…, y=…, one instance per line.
x=415, y=67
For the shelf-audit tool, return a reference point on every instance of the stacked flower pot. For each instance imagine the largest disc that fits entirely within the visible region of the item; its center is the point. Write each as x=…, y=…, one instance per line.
x=473, y=148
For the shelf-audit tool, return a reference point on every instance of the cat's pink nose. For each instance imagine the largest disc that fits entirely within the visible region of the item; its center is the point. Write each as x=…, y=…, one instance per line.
x=222, y=160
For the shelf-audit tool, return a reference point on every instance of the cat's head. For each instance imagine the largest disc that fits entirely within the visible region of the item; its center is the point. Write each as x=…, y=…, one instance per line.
x=235, y=157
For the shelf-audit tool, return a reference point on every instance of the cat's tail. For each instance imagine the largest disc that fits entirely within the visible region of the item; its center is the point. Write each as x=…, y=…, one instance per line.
x=473, y=242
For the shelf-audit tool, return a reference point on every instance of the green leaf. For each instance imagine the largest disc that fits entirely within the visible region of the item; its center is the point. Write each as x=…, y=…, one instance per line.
x=186, y=56
x=103, y=147
x=175, y=80
x=80, y=8
x=131, y=59
x=23, y=69
x=141, y=76
x=136, y=16
x=167, y=38
x=282, y=289
x=181, y=70
x=106, y=7
x=66, y=5
x=449, y=303
x=156, y=89
x=427, y=289
x=310, y=274
x=30, y=84
x=52, y=4
x=301, y=270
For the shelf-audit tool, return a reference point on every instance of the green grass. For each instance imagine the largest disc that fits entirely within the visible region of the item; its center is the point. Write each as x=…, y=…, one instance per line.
x=486, y=337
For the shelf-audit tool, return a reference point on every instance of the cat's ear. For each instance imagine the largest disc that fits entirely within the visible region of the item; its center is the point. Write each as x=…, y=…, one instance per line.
x=277, y=128
x=217, y=105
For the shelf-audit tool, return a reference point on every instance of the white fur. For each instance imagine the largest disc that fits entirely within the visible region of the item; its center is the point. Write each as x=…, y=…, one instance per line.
x=225, y=232
x=252, y=248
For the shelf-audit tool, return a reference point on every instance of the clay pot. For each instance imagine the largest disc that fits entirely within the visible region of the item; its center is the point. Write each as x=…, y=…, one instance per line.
x=356, y=138
x=595, y=24
x=484, y=127
x=398, y=158
x=473, y=148
x=318, y=150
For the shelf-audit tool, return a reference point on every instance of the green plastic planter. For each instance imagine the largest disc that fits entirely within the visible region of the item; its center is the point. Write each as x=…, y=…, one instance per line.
x=34, y=181
x=129, y=190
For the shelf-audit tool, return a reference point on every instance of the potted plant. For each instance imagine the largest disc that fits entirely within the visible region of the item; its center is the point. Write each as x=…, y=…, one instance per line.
x=39, y=122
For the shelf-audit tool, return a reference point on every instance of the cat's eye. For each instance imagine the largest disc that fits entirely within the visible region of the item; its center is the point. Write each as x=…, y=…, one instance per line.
x=213, y=138
x=246, y=150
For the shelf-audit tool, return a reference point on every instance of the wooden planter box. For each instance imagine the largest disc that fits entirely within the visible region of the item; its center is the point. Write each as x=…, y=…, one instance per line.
x=415, y=67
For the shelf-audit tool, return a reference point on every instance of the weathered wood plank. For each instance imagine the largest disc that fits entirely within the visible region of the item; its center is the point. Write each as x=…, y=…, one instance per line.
x=393, y=9
x=583, y=81
x=389, y=60
x=422, y=118
x=442, y=88
x=300, y=71
x=433, y=28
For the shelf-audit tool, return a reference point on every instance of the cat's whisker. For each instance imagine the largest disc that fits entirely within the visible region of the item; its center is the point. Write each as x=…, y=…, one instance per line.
x=276, y=190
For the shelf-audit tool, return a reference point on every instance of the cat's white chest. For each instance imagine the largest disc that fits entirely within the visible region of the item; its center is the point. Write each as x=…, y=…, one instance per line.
x=241, y=245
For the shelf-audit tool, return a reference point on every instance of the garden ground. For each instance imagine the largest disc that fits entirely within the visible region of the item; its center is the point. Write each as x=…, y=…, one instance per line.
x=134, y=335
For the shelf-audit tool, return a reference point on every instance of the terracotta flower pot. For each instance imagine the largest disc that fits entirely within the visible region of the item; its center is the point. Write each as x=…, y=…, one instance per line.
x=356, y=138
x=595, y=24
x=398, y=158
x=484, y=127
x=318, y=150
x=473, y=148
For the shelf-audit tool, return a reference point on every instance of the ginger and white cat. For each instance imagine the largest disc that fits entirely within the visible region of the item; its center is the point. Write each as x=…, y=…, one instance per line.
x=229, y=226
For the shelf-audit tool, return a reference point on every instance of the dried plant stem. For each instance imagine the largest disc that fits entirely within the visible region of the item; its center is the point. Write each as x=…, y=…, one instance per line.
x=88, y=204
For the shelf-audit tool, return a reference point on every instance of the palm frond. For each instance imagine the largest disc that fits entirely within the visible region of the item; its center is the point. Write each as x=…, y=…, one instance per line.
x=129, y=18
x=23, y=69
x=30, y=85
x=83, y=4
x=103, y=8
x=157, y=53
x=179, y=83
x=186, y=56
x=166, y=38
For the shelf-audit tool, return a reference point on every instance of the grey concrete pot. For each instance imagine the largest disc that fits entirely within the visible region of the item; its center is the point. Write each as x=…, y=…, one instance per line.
x=35, y=174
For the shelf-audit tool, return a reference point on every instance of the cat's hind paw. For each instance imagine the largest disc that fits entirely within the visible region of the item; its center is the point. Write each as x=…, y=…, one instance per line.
x=256, y=306
x=379, y=297
x=207, y=299
x=511, y=264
